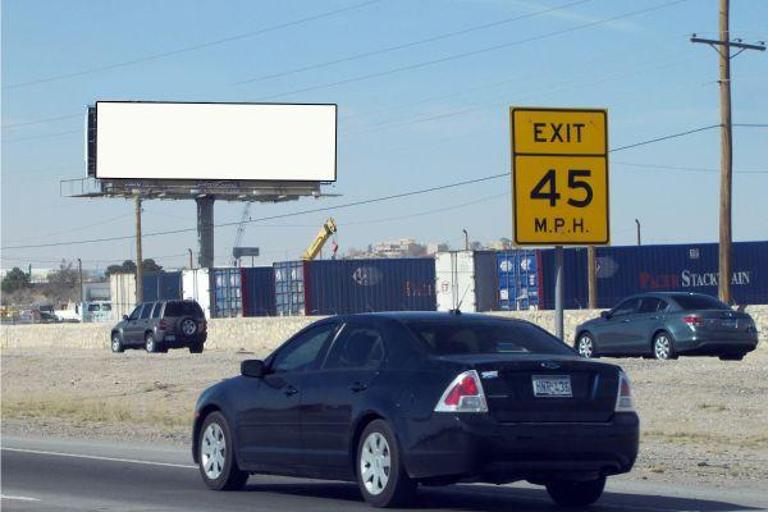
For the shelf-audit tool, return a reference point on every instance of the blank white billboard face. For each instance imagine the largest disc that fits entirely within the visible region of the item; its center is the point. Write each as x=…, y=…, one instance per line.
x=215, y=141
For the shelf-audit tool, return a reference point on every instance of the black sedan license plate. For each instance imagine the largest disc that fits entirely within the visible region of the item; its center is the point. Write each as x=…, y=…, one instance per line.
x=552, y=386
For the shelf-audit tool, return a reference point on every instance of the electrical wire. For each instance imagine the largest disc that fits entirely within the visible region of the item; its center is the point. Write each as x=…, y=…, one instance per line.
x=340, y=206
x=472, y=53
x=410, y=44
x=191, y=48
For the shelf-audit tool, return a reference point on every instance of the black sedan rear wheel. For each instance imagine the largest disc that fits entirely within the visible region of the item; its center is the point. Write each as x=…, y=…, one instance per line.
x=216, y=455
x=573, y=493
x=381, y=475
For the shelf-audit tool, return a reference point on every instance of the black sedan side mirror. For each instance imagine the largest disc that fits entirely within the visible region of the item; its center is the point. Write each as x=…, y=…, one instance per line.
x=125, y=317
x=605, y=314
x=253, y=368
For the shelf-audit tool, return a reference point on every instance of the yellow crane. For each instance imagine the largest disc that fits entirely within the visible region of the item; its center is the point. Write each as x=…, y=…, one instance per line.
x=328, y=229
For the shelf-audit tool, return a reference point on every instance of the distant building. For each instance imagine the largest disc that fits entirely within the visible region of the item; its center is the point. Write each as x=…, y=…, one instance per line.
x=435, y=247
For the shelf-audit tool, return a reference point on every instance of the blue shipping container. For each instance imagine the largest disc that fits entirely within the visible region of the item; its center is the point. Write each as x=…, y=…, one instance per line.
x=226, y=292
x=358, y=286
x=623, y=271
x=289, y=287
x=258, y=291
x=519, y=283
x=161, y=286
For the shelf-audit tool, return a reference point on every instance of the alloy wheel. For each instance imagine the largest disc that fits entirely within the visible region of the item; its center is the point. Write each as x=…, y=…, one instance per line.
x=116, y=345
x=662, y=347
x=188, y=327
x=586, y=346
x=375, y=463
x=213, y=451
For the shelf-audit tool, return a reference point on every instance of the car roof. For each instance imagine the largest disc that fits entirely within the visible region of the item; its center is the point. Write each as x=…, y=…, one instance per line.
x=427, y=316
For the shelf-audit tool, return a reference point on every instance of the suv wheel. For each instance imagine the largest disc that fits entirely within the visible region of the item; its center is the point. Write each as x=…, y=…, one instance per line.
x=188, y=327
x=117, y=343
x=570, y=493
x=381, y=476
x=196, y=348
x=149, y=343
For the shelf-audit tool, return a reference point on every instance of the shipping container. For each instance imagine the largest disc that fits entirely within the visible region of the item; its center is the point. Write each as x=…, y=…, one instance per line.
x=161, y=286
x=196, y=285
x=289, y=288
x=519, y=279
x=122, y=291
x=226, y=286
x=258, y=291
x=623, y=271
x=358, y=286
x=466, y=280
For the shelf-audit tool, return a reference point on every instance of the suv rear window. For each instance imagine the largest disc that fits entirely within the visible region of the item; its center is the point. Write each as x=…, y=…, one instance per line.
x=183, y=308
x=474, y=337
x=694, y=302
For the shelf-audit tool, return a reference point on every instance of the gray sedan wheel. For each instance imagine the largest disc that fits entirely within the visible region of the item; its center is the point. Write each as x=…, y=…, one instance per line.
x=585, y=345
x=663, y=348
x=117, y=343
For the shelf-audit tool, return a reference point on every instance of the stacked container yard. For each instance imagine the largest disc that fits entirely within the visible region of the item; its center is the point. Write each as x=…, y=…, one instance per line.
x=161, y=286
x=354, y=286
x=519, y=279
x=466, y=280
x=226, y=287
x=258, y=291
x=196, y=285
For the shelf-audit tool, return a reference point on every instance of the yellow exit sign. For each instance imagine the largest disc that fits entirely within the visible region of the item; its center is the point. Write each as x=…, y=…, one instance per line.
x=560, y=176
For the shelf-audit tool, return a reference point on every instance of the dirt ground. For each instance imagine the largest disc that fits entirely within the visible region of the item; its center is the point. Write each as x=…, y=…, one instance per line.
x=704, y=421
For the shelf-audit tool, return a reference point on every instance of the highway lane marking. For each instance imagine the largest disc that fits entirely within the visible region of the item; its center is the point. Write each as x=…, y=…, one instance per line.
x=100, y=458
x=17, y=498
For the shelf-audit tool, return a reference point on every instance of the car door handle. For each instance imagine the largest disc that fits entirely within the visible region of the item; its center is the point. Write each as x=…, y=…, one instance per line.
x=357, y=387
x=290, y=391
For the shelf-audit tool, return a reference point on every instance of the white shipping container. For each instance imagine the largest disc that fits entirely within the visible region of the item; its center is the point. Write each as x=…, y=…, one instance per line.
x=455, y=281
x=122, y=290
x=196, y=285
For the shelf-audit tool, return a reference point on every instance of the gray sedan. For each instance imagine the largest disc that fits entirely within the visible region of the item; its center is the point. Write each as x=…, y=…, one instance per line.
x=665, y=325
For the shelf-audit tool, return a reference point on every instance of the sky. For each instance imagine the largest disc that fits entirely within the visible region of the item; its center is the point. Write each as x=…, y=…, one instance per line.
x=423, y=90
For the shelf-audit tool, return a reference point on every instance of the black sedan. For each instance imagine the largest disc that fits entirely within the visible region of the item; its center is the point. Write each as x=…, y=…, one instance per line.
x=393, y=400
x=665, y=325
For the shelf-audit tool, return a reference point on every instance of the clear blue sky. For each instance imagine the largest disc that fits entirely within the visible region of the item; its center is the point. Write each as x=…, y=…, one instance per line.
x=400, y=130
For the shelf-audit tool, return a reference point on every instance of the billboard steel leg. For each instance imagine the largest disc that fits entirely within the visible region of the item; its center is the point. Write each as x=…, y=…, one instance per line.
x=205, y=231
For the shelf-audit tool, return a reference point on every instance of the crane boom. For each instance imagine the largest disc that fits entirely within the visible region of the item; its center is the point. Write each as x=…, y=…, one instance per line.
x=328, y=229
x=241, y=227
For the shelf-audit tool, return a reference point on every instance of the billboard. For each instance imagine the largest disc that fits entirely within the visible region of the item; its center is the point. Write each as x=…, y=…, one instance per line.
x=212, y=141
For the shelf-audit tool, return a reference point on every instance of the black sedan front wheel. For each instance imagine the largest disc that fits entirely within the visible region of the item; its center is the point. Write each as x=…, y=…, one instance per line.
x=381, y=476
x=573, y=493
x=216, y=455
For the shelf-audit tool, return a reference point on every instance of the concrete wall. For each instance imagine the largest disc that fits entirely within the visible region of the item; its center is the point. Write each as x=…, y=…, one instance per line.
x=259, y=334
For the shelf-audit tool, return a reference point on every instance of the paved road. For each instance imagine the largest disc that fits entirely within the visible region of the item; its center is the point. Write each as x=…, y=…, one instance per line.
x=67, y=476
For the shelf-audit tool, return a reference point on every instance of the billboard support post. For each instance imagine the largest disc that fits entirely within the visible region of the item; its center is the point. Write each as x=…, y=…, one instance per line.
x=139, y=256
x=559, y=295
x=205, y=231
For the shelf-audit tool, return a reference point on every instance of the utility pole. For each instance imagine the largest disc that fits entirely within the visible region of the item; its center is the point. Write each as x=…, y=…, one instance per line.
x=466, y=239
x=723, y=47
x=139, y=259
x=637, y=221
x=591, y=277
x=80, y=272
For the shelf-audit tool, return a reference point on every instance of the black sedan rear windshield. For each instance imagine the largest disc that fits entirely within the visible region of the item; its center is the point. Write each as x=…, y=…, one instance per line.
x=183, y=308
x=476, y=337
x=694, y=302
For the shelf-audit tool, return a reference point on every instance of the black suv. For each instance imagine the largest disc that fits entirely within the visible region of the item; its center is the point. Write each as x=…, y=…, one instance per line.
x=158, y=326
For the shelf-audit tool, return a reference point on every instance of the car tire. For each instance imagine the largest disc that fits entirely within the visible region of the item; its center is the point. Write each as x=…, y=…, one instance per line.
x=188, y=327
x=585, y=345
x=196, y=348
x=575, y=493
x=150, y=344
x=663, y=346
x=381, y=474
x=216, y=455
x=117, y=343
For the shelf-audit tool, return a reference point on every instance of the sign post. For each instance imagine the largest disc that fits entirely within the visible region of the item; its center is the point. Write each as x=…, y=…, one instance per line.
x=559, y=182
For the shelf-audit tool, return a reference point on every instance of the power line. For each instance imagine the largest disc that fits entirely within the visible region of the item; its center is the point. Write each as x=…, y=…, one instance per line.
x=684, y=168
x=409, y=44
x=45, y=136
x=191, y=48
x=336, y=207
x=472, y=53
x=751, y=125
x=41, y=121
